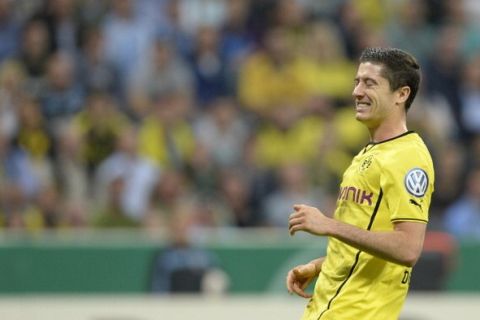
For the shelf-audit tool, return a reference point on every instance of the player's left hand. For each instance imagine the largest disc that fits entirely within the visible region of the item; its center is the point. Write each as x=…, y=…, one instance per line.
x=308, y=219
x=300, y=277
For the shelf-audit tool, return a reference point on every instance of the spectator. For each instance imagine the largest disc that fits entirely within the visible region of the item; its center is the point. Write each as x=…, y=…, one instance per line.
x=18, y=188
x=99, y=124
x=12, y=80
x=18, y=212
x=209, y=66
x=70, y=168
x=294, y=187
x=203, y=172
x=237, y=42
x=35, y=139
x=138, y=174
x=183, y=267
x=63, y=24
x=49, y=207
x=35, y=54
x=292, y=16
x=9, y=31
x=196, y=14
x=301, y=136
x=96, y=73
x=112, y=215
x=352, y=28
x=62, y=96
x=164, y=72
x=462, y=218
x=171, y=191
x=166, y=137
x=443, y=75
x=470, y=96
x=273, y=77
x=330, y=71
x=456, y=15
x=236, y=201
x=74, y=216
x=223, y=131
x=472, y=155
x=410, y=29
x=127, y=37
x=452, y=170
x=174, y=29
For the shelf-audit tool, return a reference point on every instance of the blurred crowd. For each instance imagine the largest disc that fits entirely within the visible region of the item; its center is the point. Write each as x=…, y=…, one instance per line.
x=128, y=113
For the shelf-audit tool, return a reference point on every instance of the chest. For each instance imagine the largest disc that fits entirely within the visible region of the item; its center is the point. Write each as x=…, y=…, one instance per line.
x=361, y=181
x=360, y=190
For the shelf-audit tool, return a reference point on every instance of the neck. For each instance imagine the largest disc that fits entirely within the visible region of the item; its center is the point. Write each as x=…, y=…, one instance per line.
x=387, y=130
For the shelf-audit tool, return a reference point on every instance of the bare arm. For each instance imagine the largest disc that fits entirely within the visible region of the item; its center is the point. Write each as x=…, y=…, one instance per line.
x=318, y=264
x=403, y=245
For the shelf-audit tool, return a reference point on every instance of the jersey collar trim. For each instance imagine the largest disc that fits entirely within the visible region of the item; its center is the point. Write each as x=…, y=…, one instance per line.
x=390, y=139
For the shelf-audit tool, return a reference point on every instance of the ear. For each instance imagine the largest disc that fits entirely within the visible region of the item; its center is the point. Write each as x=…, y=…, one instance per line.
x=402, y=94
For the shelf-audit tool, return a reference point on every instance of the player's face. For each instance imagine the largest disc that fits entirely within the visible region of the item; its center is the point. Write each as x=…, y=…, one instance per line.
x=373, y=96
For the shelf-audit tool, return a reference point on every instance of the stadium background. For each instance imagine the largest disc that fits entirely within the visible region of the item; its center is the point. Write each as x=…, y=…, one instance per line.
x=130, y=129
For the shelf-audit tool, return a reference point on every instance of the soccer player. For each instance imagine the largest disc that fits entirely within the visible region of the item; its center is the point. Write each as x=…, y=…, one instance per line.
x=377, y=231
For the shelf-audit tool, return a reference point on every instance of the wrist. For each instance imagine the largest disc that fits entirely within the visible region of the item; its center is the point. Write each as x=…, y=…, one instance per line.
x=315, y=267
x=317, y=264
x=331, y=227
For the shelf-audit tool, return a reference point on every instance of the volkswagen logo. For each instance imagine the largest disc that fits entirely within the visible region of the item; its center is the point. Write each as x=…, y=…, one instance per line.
x=416, y=182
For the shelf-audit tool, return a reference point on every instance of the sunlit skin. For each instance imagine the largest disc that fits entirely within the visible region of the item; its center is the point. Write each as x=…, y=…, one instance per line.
x=382, y=111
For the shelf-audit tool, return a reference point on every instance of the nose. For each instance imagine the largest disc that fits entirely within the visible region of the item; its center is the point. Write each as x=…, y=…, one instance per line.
x=358, y=91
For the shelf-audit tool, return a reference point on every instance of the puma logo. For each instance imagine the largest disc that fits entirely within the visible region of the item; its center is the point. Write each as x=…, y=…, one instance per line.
x=415, y=203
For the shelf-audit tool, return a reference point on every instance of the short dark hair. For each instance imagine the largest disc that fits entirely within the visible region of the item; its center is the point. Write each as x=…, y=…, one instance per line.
x=399, y=68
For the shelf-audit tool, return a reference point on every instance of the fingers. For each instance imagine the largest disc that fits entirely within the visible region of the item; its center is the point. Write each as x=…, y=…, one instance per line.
x=294, y=215
x=299, y=290
x=294, y=218
x=297, y=207
x=292, y=229
x=297, y=218
x=299, y=278
x=289, y=281
x=305, y=271
x=292, y=222
x=292, y=282
x=295, y=224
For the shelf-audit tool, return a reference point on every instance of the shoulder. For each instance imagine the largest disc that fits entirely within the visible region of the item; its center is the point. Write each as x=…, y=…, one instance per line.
x=407, y=160
x=405, y=152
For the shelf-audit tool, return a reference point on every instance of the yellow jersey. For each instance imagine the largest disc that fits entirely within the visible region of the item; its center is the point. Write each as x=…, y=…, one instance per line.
x=386, y=182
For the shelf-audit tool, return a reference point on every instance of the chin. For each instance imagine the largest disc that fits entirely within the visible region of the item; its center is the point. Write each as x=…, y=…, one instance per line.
x=365, y=120
x=361, y=117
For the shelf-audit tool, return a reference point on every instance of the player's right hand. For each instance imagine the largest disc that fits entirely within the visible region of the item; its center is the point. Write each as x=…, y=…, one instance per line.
x=300, y=277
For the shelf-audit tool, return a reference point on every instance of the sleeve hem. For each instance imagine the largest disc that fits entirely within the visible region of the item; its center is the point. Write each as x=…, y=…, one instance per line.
x=409, y=219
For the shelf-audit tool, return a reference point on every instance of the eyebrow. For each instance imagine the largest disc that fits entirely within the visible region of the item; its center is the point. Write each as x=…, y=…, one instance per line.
x=365, y=79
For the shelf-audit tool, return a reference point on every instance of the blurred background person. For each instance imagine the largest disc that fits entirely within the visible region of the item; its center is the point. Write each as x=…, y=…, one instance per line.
x=62, y=95
x=463, y=215
x=140, y=175
x=182, y=267
x=9, y=31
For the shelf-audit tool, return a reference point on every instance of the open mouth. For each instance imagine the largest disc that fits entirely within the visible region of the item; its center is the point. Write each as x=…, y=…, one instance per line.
x=359, y=105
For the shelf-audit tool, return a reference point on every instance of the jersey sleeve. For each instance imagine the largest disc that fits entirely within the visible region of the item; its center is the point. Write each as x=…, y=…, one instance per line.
x=407, y=184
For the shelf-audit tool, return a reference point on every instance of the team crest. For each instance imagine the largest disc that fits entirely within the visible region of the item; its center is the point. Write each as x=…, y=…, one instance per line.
x=366, y=163
x=416, y=182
